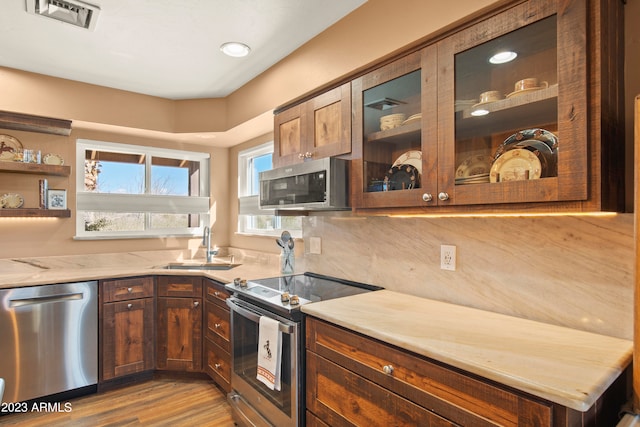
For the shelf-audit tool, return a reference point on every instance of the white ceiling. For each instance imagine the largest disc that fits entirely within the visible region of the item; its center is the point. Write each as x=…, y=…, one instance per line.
x=165, y=48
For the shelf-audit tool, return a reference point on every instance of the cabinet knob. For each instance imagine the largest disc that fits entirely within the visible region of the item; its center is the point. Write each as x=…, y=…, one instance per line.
x=196, y=303
x=216, y=293
x=300, y=156
x=387, y=369
x=443, y=196
x=308, y=155
x=217, y=366
x=427, y=197
x=217, y=325
x=129, y=290
x=129, y=306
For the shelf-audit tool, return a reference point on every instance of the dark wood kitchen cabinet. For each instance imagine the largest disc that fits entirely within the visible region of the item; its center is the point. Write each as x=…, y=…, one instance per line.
x=353, y=379
x=179, y=323
x=552, y=144
x=317, y=128
x=217, y=347
x=126, y=327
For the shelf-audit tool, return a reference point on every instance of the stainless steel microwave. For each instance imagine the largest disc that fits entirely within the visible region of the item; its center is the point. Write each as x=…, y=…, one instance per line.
x=321, y=184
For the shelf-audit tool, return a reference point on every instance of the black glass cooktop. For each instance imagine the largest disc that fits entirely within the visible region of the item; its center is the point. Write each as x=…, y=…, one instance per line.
x=308, y=287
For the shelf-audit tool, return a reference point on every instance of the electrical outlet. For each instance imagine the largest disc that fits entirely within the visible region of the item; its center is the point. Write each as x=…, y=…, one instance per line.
x=315, y=245
x=448, y=257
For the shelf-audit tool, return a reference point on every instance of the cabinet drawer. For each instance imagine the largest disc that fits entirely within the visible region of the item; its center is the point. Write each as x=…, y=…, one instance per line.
x=180, y=286
x=126, y=289
x=218, y=365
x=217, y=324
x=216, y=292
x=448, y=392
x=343, y=398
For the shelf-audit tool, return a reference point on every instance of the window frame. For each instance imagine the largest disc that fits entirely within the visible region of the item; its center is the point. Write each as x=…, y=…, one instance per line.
x=147, y=203
x=248, y=204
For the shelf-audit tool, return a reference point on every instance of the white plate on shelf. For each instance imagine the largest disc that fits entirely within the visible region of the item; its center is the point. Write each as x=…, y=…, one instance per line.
x=474, y=165
x=9, y=146
x=53, y=159
x=412, y=157
x=12, y=200
x=516, y=165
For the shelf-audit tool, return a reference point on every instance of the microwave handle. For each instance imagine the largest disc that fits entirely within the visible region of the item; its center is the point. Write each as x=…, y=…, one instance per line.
x=255, y=317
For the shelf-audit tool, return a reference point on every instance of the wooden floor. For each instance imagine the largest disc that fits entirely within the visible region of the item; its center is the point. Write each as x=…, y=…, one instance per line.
x=157, y=402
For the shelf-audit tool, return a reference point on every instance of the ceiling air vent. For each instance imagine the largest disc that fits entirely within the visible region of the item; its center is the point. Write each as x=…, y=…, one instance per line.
x=74, y=12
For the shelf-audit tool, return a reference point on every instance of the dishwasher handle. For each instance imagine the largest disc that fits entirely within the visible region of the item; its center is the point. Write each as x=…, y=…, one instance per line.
x=255, y=317
x=22, y=302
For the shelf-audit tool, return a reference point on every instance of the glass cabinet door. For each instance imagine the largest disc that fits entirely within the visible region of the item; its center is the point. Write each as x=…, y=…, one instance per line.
x=394, y=166
x=513, y=103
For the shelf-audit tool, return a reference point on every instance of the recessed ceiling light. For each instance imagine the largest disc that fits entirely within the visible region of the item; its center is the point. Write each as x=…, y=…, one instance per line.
x=235, y=49
x=502, y=57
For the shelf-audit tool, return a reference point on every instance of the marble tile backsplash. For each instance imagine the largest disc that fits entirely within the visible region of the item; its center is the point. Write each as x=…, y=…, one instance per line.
x=574, y=271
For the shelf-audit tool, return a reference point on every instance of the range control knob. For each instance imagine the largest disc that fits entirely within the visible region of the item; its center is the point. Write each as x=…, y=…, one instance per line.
x=236, y=282
x=243, y=283
x=285, y=297
x=294, y=300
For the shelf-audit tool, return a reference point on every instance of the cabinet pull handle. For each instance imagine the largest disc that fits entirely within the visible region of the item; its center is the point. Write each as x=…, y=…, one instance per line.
x=129, y=290
x=427, y=197
x=443, y=196
x=387, y=369
x=129, y=306
x=196, y=303
x=217, y=366
x=217, y=325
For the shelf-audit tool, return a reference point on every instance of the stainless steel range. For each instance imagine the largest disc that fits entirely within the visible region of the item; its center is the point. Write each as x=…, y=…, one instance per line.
x=279, y=298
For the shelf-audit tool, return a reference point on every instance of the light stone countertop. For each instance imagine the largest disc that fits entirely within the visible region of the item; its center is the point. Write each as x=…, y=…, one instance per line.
x=20, y=272
x=566, y=366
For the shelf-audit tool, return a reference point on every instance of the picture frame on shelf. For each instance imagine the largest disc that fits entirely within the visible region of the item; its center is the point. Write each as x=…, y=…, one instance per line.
x=56, y=199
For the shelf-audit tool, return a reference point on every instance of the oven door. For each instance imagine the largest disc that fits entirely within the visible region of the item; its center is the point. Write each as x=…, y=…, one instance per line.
x=252, y=402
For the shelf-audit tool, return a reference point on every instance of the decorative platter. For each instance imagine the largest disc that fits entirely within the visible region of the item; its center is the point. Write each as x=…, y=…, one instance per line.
x=402, y=177
x=516, y=165
x=9, y=146
x=473, y=166
x=12, y=200
x=538, y=134
x=412, y=157
x=413, y=118
x=53, y=159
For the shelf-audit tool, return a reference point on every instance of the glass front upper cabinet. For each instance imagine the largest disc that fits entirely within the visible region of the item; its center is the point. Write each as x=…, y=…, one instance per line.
x=513, y=102
x=389, y=129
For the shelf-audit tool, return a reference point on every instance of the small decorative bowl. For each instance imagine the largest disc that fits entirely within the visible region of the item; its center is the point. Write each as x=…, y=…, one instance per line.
x=392, y=121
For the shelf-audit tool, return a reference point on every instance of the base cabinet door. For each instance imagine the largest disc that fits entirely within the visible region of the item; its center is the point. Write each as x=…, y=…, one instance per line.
x=126, y=332
x=179, y=324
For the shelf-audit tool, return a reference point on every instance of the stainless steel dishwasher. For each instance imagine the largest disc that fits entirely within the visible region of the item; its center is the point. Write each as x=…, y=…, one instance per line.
x=48, y=339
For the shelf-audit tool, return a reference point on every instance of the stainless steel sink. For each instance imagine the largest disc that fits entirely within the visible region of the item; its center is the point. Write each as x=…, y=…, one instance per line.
x=200, y=265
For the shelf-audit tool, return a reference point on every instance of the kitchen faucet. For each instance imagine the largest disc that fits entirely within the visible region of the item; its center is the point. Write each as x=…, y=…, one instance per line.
x=206, y=242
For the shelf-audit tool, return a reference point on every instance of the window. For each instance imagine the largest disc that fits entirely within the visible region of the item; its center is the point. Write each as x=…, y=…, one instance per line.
x=130, y=191
x=251, y=219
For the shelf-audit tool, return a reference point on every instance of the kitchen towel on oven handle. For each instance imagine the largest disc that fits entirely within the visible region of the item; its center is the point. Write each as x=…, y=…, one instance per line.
x=269, y=352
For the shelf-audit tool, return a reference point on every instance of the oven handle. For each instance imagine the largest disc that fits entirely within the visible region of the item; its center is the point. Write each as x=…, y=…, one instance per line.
x=255, y=317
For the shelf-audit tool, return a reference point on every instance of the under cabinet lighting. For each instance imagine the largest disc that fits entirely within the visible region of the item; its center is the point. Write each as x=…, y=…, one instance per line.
x=235, y=49
x=479, y=112
x=503, y=57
